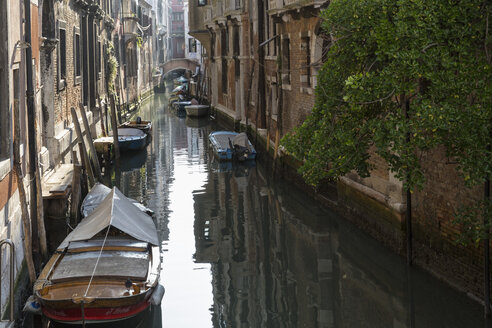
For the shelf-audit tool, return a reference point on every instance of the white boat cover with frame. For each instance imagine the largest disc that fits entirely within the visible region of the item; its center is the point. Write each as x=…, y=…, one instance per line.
x=119, y=212
x=242, y=140
x=97, y=194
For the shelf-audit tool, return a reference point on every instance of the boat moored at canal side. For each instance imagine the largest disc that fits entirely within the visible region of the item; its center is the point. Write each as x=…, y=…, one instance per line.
x=228, y=146
x=129, y=139
x=196, y=110
x=107, y=269
x=144, y=126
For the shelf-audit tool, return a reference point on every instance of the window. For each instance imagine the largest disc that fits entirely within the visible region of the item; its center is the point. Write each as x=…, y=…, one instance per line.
x=212, y=46
x=77, y=56
x=202, y=2
x=275, y=42
x=224, y=47
x=285, y=61
x=224, y=42
x=131, y=62
x=62, y=55
x=192, y=45
x=178, y=16
x=236, y=51
x=305, y=62
x=235, y=45
x=98, y=59
x=224, y=75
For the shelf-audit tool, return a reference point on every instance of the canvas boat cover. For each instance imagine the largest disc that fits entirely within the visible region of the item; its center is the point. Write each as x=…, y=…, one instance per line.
x=131, y=132
x=119, y=212
x=241, y=140
x=97, y=195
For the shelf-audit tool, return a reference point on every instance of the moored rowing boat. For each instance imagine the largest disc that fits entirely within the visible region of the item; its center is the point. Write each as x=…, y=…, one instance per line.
x=106, y=269
x=229, y=145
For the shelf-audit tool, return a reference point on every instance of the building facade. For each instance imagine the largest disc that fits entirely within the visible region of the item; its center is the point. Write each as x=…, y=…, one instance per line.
x=261, y=59
x=176, y=29
x=70, y=42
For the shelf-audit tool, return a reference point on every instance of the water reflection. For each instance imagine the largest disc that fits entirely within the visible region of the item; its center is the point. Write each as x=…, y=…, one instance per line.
x=240, y=249
x=280, y=261
x=133, y=160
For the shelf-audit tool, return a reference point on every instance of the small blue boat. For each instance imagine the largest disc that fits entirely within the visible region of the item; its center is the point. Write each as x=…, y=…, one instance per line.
x=131, y=139
x=228, y=146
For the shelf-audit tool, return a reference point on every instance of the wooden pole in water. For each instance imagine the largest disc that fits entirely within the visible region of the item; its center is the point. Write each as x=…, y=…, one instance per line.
x=76, y=193
x=83, y=150
x=114, y=126
x=41, y=227
x=277, y=140
x=26, y=222
x=87, y=128
x=101, y=115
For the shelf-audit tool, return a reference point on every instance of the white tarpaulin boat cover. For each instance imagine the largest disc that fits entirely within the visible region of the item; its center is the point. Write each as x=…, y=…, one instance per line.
x=97, y=194
x=241, y=140
x=117, y=211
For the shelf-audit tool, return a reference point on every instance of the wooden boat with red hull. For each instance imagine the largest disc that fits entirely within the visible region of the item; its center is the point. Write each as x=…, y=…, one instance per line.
x=107, y=268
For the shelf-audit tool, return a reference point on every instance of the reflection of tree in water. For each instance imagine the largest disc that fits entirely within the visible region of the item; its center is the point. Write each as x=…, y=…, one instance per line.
x=280, y=261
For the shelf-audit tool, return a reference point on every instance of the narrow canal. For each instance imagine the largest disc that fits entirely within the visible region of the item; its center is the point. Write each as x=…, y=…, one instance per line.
x=242, y=250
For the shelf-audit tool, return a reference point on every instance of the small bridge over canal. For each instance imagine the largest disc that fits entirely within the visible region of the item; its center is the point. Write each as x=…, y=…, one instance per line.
x=180, y=63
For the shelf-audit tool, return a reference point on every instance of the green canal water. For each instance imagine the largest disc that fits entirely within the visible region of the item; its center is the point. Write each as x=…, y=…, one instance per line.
x=240, y=249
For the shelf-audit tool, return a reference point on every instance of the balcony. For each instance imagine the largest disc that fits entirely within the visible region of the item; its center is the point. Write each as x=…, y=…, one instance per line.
x=275, y=6
x=207, y=15
x=232, y=7
x=218, y=10
x=279, y=6
x=130, y=21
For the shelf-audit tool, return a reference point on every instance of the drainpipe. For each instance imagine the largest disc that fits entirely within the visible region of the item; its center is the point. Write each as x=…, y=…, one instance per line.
x=31, y=128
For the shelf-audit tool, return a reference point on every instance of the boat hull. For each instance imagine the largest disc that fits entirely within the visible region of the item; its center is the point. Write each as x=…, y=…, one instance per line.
x=196, y=110
x=130, y=139
x=123, y=285
x=132, y=143
x=94, y=314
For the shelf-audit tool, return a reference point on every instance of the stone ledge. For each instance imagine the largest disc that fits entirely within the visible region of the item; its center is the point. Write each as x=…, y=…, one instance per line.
x=375, y=195
x=5, y=168
x=226, y=111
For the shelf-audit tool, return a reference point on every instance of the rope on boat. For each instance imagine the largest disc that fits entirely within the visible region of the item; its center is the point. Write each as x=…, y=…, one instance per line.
x=98, y=257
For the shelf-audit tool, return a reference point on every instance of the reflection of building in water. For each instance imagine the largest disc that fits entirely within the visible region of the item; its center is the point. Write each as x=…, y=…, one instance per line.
x=278, y=261
x=268, y=268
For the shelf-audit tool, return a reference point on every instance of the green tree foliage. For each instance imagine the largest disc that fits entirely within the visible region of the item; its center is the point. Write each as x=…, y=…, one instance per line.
x=385, y=55
x=112, y=68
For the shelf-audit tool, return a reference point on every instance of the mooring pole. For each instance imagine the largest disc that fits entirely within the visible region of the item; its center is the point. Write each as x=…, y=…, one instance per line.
x=31, y=129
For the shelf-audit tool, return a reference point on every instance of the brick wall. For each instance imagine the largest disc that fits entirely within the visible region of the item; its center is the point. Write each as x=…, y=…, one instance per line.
x=297, y=102
x=71, y=95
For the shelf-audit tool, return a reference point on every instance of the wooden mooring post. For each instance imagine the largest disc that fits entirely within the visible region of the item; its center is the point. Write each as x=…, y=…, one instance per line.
x=76, y=193
x=101, y=115
x=83, y=150
x=92, y=149
x=114, y=126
